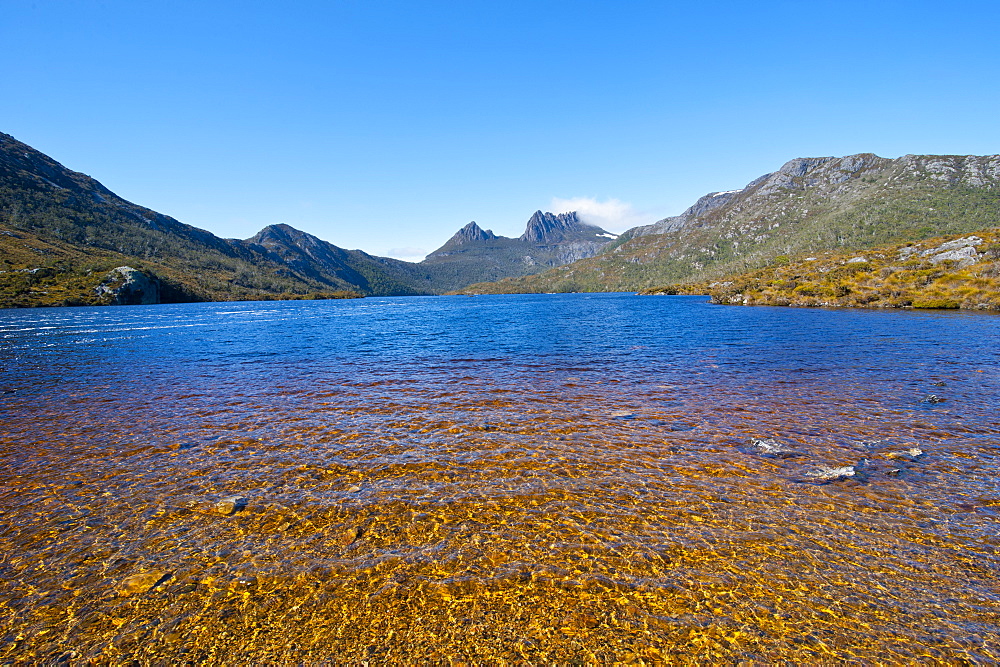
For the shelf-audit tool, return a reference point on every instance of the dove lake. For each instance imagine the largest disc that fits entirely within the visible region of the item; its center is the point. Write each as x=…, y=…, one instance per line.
x=574, y=478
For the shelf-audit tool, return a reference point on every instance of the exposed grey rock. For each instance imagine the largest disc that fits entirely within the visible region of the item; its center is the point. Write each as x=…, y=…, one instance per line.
x=129, y=287
x=933, y=399
x=551, y=227
x=961, y=251
x=774, y=448
x=832, y=474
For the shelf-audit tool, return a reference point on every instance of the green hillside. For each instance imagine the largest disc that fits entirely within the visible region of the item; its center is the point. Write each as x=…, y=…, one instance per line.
x=952, y=271
x=62, y=232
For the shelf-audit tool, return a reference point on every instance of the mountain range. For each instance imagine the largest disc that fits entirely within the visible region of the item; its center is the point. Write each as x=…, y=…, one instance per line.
x=66, y=239
x=807, y=206
x=63, y=234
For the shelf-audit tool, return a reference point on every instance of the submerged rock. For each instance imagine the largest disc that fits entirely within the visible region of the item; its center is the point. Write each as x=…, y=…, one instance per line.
x=622, y=414
x=774, y=448
x=230, y=505
x=911, y=454
x=142, y=582
x=349, y=536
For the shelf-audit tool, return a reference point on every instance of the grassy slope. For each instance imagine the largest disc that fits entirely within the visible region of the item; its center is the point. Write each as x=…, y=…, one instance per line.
x=890, y=276
x=36, y=271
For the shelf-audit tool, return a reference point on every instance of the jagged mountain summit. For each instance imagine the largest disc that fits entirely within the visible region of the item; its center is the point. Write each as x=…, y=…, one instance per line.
x=562, y=228
x=808, y=205
x=549, y=239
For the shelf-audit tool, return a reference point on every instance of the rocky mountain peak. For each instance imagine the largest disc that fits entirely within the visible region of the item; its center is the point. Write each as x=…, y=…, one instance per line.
x=551, y=227
x=283, y=234
x=470, y=234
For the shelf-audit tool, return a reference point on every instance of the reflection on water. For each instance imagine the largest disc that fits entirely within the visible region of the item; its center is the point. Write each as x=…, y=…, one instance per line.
x=562, y=478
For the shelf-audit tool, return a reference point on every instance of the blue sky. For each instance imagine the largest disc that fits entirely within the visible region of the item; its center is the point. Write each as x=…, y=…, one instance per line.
x=387, y=126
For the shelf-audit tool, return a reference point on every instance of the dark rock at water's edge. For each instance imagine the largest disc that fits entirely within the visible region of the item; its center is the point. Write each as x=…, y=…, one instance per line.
x=125, y=286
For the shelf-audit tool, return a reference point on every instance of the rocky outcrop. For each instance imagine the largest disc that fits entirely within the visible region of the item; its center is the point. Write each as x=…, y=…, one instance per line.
x=962, y=252
x=125, y=286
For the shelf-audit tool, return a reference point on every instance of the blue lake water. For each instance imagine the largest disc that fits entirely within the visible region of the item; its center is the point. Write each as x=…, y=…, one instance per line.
x=521, y=478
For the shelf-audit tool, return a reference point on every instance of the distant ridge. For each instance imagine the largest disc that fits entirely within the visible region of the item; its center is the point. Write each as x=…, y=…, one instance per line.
x=62, y=233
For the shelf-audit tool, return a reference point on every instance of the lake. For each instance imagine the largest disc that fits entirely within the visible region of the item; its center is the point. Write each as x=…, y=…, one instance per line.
x=524, y=478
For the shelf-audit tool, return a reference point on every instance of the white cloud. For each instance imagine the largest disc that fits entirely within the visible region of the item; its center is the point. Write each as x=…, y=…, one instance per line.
x=613, y=215
x=407, y=254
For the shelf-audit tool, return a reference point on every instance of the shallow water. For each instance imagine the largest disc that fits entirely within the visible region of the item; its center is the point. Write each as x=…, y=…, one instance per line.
x=520, y=478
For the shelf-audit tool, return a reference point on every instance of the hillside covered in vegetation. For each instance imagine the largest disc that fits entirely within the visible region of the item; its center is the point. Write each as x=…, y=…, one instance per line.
x=63, y=234
x=808, y=206
x=943, y=272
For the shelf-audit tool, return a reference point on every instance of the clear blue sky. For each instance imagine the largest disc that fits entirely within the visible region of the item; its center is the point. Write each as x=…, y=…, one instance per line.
x=389, y=125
